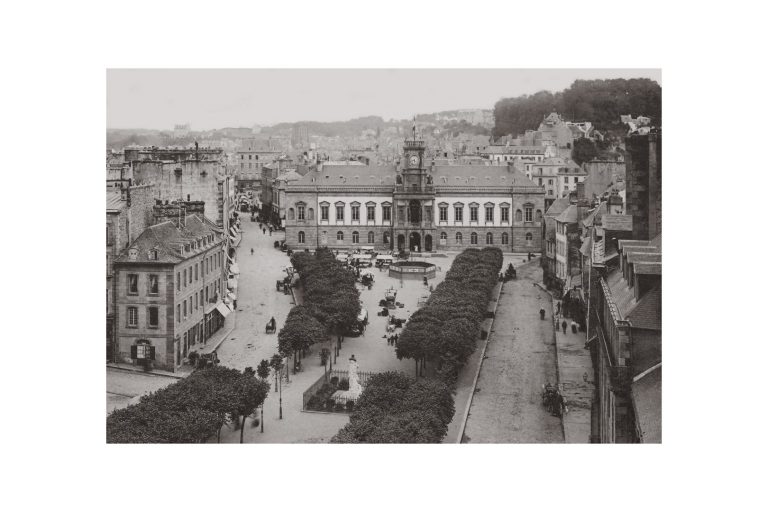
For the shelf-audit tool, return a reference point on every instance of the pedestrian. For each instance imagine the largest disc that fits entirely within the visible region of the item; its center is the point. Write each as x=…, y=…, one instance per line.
x=270, y=231
x=574, y=327
x=251, y=251
x=263, y=231
x=558, y=308
x=565, y=327
x=397, y=337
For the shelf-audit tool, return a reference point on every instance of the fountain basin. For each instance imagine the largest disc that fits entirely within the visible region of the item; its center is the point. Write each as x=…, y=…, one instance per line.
x=412, y=270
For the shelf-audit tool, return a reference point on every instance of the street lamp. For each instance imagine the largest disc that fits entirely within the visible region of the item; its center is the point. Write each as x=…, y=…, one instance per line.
x=281, y=398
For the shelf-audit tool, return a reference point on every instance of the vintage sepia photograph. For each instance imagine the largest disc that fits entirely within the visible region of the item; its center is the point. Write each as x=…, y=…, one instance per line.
x=457, y=256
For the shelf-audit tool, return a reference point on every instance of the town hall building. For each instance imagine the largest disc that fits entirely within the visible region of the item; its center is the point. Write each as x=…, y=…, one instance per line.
x=416, y=206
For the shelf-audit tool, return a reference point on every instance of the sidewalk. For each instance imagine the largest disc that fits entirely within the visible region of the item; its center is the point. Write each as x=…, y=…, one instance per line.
x=573, y=363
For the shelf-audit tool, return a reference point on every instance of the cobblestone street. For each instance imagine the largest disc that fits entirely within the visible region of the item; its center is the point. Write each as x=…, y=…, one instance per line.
x=520, y=359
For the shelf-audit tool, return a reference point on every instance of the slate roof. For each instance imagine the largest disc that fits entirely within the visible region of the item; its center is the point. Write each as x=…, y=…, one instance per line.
x=648, y=268
x=557, y=207
x=569, y=215
x=596, y=214
x=114, y=201
x=455, y=175
x=166, y=238
x=646, y=400
x=647, y=312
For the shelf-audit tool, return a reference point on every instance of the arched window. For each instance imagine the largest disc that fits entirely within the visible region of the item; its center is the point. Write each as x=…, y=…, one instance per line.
x=290, y=214
x=355, y=237
x=443, y=237
x=339, y=236
x=386, y=237
x=518, y=215
x=504, y=238
x=538, y=215
x=371, y=237
x=528, y=239
x=311, y=214
x=458, y=238
x=473, y=238
x=301, y=237
x=489, y=238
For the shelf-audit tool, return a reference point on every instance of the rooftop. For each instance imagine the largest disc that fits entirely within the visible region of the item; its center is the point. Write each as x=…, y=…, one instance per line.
x=168, y=241
x=646, y=399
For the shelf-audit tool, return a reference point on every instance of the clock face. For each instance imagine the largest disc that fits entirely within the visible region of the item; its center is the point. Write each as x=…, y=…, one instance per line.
x=414, y=160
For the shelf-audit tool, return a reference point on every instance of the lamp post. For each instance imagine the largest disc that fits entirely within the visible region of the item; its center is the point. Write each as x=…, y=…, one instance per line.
x=262, y=417
x=281, y=398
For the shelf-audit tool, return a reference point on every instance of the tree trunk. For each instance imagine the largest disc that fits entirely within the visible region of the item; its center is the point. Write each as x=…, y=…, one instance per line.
x=417, y=367
x=242, y=429
x=218, y=434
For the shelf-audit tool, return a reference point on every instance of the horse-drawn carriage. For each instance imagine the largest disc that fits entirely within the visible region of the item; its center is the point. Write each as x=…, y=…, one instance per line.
x=271, y=326
x=366, y=280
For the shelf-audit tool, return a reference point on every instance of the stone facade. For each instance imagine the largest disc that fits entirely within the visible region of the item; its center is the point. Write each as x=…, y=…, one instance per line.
x=643, y=184
x=188, y=266
x=415, y=207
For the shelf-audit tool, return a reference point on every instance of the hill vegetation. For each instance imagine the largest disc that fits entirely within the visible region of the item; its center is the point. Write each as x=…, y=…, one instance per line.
x=599, y=101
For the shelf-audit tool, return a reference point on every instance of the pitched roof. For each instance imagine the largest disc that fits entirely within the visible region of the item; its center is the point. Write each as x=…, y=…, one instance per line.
x=166, y=239
x=114, y=201
x=646, y=400
x=569, y=215
x=442, y=176
x=595, y=215
x=647, y=312
x=557, y=207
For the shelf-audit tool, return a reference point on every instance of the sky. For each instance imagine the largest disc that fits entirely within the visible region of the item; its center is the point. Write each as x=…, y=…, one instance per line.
x=218, y=98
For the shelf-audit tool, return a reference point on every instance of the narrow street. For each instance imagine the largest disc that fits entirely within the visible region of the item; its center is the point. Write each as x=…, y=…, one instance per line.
x=520, y=359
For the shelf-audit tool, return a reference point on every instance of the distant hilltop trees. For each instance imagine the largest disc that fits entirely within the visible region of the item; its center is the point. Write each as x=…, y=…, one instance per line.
x=602, y=102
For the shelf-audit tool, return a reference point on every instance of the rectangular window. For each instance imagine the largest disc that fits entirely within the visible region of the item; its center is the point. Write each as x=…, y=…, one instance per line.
x=458, y=213
x=387, y=213
x=355, y=213
x=195, y=271
x=133, y=316
x=190, y=275
x=565, y=180
x=371, y=213
x=178, y=312
x=575, y=179
x=154, y=287
x=340, y=213
x=323, y=213
x=184, y=309
x=549, y=182
x=133, y=284
x=152, y=317
x=185, y=277
x=300, y=212
x=201, y=298
x=489, y=214
x=528, y=214
x=504, y=214
x=443, y=214
x=473, y=213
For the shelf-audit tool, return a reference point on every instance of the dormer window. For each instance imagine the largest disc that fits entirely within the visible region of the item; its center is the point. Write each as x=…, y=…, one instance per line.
x=152, y=255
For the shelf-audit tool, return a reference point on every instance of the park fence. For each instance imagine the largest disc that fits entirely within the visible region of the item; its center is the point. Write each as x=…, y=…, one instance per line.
x=362, y=377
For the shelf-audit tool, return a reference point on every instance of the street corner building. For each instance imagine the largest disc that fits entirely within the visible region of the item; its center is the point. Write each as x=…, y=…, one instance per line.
x=414, y=205
x=169, y=289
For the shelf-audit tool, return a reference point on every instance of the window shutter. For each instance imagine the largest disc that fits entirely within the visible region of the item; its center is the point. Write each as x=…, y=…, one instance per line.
x=152, y=353
x=134, y=354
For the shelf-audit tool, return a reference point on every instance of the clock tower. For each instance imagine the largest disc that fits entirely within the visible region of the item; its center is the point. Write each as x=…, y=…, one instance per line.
x=414, y=198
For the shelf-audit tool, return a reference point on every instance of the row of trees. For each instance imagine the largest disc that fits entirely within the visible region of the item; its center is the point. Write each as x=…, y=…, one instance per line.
x=599, y=101
x=444, y=330
x=395, y=408
x=193, y=409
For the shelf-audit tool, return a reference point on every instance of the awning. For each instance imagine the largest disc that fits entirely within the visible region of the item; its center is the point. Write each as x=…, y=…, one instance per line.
x=233, y=231
x=234, y=268
x=231, y=296
x=223, y=309
x=230, y=258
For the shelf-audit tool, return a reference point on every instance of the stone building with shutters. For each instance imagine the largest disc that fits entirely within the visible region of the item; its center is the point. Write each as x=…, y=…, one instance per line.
x=415, y=205
x=170, y=291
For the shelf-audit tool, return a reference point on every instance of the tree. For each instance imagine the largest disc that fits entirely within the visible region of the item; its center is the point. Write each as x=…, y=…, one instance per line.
x=583, y=150
x=301, y=330
x=263, y=369
x=395, y=408
x=251, y=393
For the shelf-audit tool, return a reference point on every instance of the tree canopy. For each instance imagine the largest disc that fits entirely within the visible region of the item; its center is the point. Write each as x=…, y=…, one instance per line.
x=395, y=408
x=191, y=410
x=600, y=102
x=445, y=329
